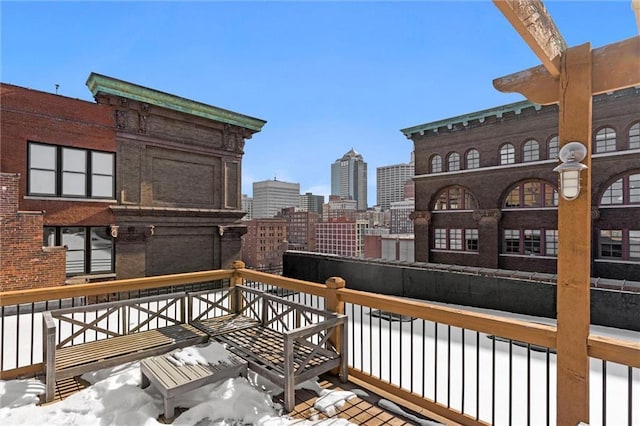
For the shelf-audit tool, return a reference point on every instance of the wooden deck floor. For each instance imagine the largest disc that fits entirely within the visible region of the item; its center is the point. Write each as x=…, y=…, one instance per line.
x=362, y=410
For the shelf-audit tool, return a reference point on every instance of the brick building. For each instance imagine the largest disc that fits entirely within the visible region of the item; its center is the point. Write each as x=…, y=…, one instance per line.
x=62, y=151
x=264, y=244
x=24, y=262
x=301, y=228
x=139, y=183
x=486, y=194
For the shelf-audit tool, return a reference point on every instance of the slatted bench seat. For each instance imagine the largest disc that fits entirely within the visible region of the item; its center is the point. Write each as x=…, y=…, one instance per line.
x=283, y=341
x=172, y=380
x=82, y=339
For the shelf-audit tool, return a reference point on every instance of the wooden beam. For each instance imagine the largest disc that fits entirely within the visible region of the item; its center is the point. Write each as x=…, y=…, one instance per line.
x=574, y=245
x=534, y=24
x=615, y=66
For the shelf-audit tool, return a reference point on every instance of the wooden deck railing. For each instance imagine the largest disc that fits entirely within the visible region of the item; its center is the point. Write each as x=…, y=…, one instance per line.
x=374, y=357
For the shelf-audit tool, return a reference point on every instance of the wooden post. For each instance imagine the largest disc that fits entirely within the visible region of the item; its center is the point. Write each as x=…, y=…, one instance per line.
x=334, y=304
x=236, y=279
x=574, y=245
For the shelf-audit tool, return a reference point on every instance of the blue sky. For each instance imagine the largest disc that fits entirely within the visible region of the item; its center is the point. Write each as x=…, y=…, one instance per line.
x=326, y=76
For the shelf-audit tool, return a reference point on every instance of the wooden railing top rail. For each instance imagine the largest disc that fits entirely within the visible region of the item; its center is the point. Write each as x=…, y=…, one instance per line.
x=9, y=298
x=614, y=350
x=284, y=282
x=538, y=334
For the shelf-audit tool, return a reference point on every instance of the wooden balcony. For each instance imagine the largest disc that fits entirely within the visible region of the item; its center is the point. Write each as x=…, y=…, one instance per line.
x=445, y=363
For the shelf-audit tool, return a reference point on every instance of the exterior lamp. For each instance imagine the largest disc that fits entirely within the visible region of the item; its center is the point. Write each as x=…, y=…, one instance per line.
x=571, y=154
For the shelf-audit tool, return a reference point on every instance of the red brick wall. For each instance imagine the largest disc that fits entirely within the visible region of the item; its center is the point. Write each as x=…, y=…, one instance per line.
x=24, y=263
x=30, y=115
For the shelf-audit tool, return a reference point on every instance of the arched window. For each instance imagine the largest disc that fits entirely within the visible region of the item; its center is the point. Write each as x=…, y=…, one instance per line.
x=456, y=198
x=453, y=162
x=507, y=154
x=606, y=140
x=634, y=136
x=436, y=164
x=625, y=190
x=473, y=159
x=553, y=146
x=531, y=150
x=531, y=195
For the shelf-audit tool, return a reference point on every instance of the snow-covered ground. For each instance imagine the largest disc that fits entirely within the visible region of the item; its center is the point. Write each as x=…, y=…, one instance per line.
x=115, y=398
x=409, y=354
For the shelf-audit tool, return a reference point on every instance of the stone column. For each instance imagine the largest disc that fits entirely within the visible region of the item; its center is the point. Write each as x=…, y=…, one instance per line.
x=488, y=237
x=230, y=247
x=421, y=221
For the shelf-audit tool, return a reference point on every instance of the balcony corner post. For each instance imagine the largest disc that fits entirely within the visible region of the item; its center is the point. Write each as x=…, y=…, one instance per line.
x=332, y=301
x=236, y=280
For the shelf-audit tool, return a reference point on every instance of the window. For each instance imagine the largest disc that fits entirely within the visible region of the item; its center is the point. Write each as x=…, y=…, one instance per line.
x=452, y=239
x=89, y=249
x=606, y=140
x=440, y=238
x=455, y=239
x=533, y=194
x=70, y=172
x=453, y=162
x=507, y=154
x=531, y=242
x=512, y=241
x=634, y=245
x=634, y=136
x=553, y=148
x=456, y=198
x=625, y=190
x=551, y=242
x=473, y=159
x=436, y=164
x=531, y=150
x=611, y=243
x=471, y=239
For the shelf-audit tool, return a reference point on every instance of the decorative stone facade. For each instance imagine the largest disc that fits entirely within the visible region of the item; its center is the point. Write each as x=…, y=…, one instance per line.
x=490, y=183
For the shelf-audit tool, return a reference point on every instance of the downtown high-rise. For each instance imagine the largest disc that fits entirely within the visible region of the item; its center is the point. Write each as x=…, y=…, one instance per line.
x=349, y=178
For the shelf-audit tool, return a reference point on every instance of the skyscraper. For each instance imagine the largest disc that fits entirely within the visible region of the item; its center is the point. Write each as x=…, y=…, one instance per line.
x=271, y=196
x=349, y=178
x=390, y=182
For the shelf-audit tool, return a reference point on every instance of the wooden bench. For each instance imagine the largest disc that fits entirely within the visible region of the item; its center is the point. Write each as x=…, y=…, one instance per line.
x=172, y=380
x=283, y=341
x=86, y=338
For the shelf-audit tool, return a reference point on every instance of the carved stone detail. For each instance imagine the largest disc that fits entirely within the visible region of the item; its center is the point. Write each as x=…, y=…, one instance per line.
x=595, y=213
x=487, y=215
x=124, y=101
x=420, y=217
x=121, y=119
x=142, y=123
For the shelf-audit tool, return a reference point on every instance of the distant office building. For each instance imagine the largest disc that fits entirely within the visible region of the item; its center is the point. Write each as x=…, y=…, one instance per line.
x=301, y=229
x=401, y=222
x=247, y=206
x=264, y=244
x=311, y=203
x=375, y=216
x=390, y=183
x=338, y=207
x=349, y=178
x=271, y=196
x=341, y=236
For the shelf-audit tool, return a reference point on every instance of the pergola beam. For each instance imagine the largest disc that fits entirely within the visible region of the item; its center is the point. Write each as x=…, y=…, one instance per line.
x=532, y=21
x=615, y=66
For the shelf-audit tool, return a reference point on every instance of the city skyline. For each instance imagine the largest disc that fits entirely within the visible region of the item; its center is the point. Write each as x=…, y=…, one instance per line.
x=326, y=76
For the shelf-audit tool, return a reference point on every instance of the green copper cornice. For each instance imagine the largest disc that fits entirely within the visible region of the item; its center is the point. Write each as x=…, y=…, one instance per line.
x=516, y=108
x=102, y=84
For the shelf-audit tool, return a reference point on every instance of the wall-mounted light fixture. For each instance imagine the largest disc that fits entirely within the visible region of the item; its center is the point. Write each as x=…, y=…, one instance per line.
x=571, y=154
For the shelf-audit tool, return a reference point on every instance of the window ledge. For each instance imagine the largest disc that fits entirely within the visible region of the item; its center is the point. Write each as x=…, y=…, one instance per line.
x=83, y=279
x=454, y=251
x=630, y=262
x=528, y=256
x=83, y=200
